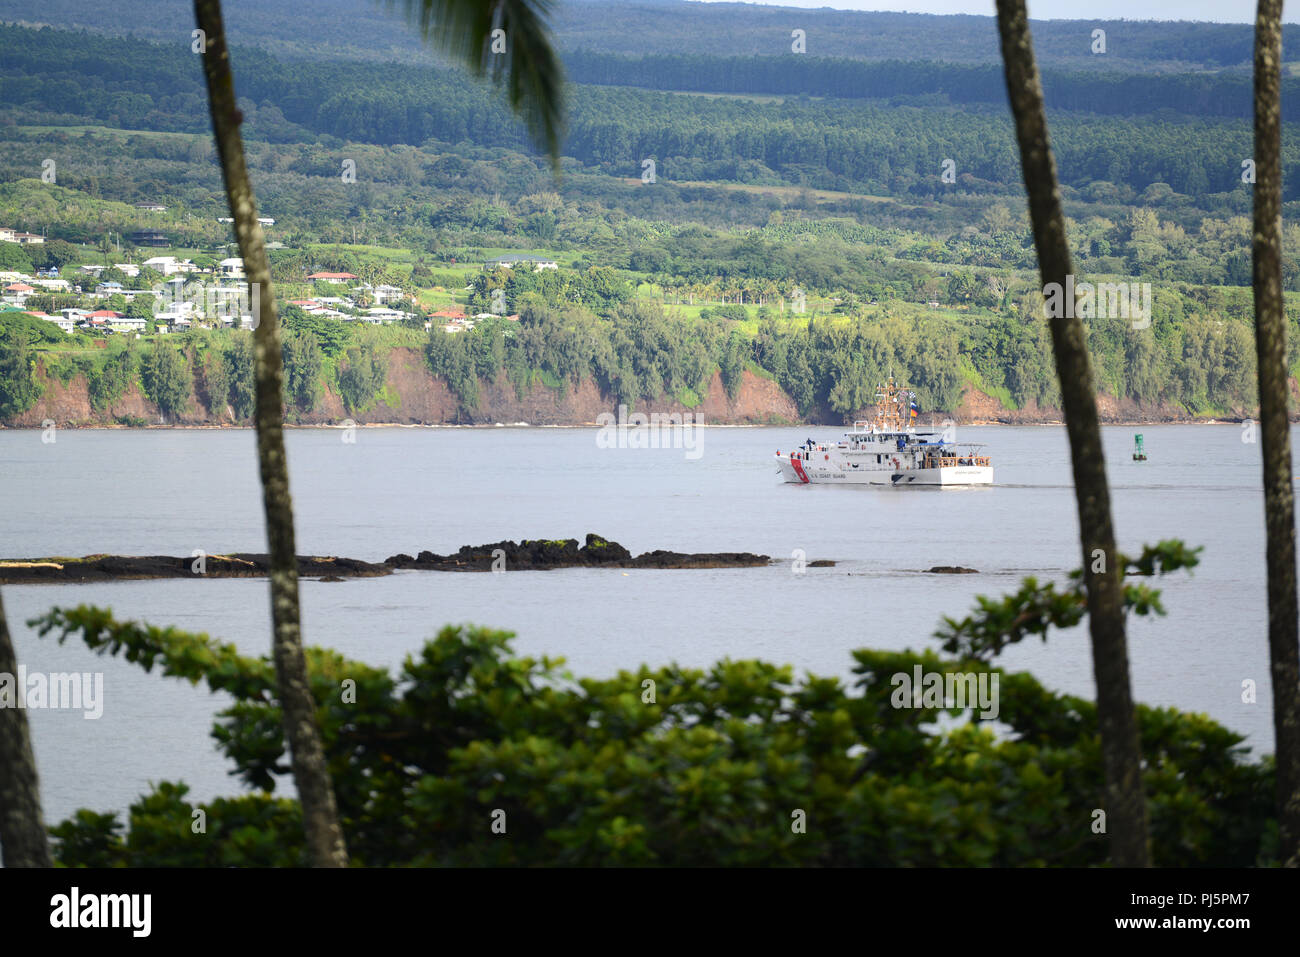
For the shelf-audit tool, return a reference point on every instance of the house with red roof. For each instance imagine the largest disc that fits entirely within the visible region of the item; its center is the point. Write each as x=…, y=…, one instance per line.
x=334, y=277
x=16, y=292
x=100, y=319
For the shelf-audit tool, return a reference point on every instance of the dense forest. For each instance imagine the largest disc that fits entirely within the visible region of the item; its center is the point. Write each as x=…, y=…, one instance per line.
x=636, y=27
x=893, y=137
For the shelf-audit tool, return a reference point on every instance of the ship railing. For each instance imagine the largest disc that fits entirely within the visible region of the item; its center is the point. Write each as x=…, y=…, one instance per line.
x=952, y=461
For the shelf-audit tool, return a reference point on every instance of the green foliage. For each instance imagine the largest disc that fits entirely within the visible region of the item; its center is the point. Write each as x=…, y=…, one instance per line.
x=452, y=356
x=31, y=329
x=733, y=362
x=834, y=123
x=707, y=770
x=214, y=379
x=167, y=379
x=19, y=389
x=108, y=382
x=332, y=336
x=362, y=375
x=89, y=839
x=141, y=307
x=53, y=253
x=13, y=258
x=240, y=373
x=303, y=367
x=246, y=831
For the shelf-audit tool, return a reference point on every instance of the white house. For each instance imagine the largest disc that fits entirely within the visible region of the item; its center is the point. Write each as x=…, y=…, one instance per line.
x=126, y=324
x=509, y=262
x=180, y=307
x=53, y=285
x=169, y=265
x=63, y=322
x=232, y=268
x=8, y=236
x=379, y=314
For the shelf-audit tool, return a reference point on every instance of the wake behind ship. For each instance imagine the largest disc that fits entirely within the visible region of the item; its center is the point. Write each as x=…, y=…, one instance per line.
x=888, y=450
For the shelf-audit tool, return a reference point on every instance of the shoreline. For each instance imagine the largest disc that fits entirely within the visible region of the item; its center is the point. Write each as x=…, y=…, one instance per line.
x=974, y=423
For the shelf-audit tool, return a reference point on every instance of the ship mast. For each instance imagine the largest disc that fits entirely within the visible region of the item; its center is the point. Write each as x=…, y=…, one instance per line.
x=893, y=407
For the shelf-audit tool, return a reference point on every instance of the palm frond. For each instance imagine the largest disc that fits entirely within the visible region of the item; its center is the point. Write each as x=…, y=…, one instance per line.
x=463, y=30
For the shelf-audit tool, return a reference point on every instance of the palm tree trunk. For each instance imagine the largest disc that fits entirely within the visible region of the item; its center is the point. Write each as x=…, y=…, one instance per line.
x=22, y=828
x=1121, y=751
x=1274, y=426
x=307, y=755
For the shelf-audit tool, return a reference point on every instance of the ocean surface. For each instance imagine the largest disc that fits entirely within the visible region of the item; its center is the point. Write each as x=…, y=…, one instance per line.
x=406, y=489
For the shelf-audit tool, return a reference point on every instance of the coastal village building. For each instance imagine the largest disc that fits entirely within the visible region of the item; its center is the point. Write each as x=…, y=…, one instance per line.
x=99, y=319
x=17, y=292
x=8, y=235
x=149, y=237
x=331, y=277
x=509, y=262
x=62, y=321
x=127, y=324
x=169, y=265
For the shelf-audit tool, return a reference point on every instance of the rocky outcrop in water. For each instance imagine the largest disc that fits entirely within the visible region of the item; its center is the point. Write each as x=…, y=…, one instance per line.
x=534, y=555
x=102, y=568
x=541, y=555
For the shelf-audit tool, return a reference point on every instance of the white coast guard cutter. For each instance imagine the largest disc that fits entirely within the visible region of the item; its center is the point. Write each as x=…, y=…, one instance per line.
x=888, y=450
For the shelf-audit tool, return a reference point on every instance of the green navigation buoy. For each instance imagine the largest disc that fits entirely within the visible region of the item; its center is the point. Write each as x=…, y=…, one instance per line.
x=1139, y=452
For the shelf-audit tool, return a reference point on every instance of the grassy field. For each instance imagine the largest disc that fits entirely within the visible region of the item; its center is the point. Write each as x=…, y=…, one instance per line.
x=784, y=192
x=111, y=131
x=388, y=255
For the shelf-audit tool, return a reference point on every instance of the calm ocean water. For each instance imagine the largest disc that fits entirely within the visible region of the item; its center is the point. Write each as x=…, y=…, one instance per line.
x=402, y=490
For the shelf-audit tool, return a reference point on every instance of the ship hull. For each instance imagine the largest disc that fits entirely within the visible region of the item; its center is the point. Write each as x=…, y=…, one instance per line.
x=801, y=472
